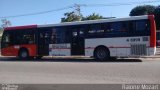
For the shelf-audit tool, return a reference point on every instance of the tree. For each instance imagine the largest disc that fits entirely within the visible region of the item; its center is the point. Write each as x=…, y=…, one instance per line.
x=142, y=10
x=157, y=17
x=93, y=17
x=71, y=16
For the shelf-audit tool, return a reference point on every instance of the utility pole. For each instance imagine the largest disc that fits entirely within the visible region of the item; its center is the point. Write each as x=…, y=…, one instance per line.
x=5, y=23
x=77, y=9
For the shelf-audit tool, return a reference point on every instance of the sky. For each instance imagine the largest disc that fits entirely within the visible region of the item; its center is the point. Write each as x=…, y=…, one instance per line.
x=20, y=7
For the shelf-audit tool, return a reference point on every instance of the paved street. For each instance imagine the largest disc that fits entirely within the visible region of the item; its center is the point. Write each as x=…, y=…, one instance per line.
x=71, y=71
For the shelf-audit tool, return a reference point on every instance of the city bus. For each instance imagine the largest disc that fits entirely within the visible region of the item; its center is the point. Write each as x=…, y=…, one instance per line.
x=116, y=37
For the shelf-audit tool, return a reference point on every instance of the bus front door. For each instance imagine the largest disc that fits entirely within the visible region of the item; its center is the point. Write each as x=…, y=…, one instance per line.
x=77, y=44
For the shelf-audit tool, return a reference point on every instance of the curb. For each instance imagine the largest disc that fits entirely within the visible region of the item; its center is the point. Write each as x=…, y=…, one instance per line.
x=155, y=56
x=150, y=57
x=68, y=57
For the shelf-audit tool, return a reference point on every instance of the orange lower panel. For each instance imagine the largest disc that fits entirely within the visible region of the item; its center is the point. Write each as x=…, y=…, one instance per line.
x=13, y=50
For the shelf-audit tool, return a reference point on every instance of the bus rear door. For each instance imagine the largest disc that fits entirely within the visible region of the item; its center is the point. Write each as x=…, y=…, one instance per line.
x=77, y=43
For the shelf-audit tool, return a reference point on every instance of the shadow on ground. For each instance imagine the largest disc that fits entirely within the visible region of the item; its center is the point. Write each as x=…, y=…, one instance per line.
x=66, y=60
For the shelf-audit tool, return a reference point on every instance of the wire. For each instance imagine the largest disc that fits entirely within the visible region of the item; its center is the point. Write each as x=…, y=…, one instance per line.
x=37, y=13
x=120, y=4
x=84, y=5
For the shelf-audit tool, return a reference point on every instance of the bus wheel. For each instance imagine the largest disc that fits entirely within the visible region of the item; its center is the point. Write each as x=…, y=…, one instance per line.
x=23, y=54
x=101, y=53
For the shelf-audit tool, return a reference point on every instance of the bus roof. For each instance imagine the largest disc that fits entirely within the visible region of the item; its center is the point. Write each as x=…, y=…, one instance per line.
x=20, y=27
x=96, y=21
x=80, y=22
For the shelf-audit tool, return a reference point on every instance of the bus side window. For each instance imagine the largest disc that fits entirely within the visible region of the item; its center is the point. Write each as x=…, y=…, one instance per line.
x=125, y=26
x=116, y=26
x=93, y=29
x=74, y=34
x=25, y=37
x=8, y=37
x=131, y=27
x=141, y=25
x=47, y=36
x=60, y=35
x=18, y=38
x=53, y=36
x=108, y=27
x=96, y=29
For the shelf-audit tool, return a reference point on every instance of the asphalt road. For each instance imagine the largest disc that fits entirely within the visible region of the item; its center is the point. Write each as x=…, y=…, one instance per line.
x=79, y=71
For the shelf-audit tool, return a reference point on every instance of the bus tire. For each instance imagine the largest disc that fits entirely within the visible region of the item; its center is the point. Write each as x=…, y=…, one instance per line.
x=101, y=53
x=23, y=54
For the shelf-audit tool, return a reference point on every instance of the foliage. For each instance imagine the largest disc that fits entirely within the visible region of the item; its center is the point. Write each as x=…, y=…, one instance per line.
x=93, y=17
x=71, y=16
x=142, y=10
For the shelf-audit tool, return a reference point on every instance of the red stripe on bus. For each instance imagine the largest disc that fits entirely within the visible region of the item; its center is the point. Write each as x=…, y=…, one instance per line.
x=109, y=47
x=114, y=47
x=21, y=27
x=153, y=31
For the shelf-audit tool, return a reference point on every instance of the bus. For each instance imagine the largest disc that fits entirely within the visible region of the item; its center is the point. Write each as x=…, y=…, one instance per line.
x=116, y=37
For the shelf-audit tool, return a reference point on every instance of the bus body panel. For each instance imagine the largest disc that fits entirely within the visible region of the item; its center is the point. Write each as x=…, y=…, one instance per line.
x=14, y=50
x=152, y=51
x=60, y=49
x=15, y=38
x=119, y=46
